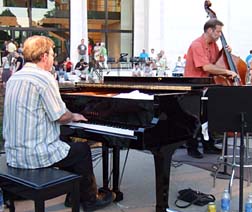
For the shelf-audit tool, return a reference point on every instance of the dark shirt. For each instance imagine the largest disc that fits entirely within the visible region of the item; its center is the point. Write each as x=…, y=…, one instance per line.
x=82, y=48
x=80, y=66
x=21, y=61
x=68, y=66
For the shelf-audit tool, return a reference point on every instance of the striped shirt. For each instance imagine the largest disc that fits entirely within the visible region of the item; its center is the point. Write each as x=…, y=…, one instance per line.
x=31, y=109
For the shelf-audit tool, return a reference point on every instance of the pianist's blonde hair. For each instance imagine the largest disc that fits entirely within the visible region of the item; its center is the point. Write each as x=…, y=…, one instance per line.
x=35, y=47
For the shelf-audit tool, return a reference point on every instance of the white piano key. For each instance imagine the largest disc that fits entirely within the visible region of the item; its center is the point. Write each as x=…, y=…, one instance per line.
x=102, y=128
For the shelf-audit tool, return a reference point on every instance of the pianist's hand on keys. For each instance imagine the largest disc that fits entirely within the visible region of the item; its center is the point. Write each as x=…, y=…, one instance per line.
x=76, y=117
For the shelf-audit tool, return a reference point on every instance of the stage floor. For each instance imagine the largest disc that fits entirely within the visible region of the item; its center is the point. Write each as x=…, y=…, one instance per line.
x=138, y=186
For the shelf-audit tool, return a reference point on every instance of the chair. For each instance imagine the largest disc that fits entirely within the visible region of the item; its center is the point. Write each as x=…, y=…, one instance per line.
x=123, y=61
x=38, y=185
x=142, y=62
x=134, y=59
x=123, y=58
x=233, y=160
x=110, y=61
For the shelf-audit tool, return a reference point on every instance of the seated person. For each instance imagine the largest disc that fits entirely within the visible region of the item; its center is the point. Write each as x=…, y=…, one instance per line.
x=179, y=65
x=81, y=68
x=56, y=65
x=153, y=56
x=32, y=135
x=68, y=65
x=62, y=74
x=208, y=146
x=136, y=71
x=144, y=55
x=147, y=71
x=81, y=65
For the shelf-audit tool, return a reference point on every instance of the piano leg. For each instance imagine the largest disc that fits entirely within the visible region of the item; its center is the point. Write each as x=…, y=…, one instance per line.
x=105, y=167
x=162, y=160
x=116, y=171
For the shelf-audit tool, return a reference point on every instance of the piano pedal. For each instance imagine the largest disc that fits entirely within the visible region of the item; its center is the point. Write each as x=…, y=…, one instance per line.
x=116, y=195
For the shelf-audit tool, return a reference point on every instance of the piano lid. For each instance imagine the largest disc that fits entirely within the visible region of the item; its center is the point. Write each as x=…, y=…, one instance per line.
x=166, y=80
x=150, y=83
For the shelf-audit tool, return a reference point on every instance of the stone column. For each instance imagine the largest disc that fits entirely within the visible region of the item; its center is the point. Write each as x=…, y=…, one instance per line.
x=78, y=26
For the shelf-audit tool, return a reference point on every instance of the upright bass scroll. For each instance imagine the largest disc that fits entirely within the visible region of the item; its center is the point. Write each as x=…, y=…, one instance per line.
x=227, y=60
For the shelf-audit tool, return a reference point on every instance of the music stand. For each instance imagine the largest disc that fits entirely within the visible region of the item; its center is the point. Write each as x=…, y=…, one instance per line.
x=230, y=110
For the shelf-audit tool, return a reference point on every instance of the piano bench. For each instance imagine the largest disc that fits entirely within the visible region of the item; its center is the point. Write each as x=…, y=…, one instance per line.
x=38, y=185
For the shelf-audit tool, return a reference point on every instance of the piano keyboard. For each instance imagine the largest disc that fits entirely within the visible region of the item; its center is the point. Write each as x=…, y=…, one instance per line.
x=103, y=128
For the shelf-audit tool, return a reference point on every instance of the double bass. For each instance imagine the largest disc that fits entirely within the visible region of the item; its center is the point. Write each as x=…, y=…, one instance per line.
x=227, y=60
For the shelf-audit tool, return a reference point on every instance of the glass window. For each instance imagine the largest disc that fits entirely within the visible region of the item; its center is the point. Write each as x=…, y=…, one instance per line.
x=21, y=19
x=18, y=3
x=96, y=5
x=111, y=21
x=40, y=13
x=119, y=43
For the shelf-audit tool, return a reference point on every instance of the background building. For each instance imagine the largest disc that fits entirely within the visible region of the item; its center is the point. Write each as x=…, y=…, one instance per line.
x=67, y=22
x=20, y=19
x=108, y=21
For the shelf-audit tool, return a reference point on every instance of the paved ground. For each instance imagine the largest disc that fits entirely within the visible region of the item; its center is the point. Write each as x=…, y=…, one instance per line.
x=138, y=186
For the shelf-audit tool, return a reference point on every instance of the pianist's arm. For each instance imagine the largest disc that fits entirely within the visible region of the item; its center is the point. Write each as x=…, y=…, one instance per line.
x=68, y=116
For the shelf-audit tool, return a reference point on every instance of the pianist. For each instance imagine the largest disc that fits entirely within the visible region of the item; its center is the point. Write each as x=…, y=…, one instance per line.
x=33, y=112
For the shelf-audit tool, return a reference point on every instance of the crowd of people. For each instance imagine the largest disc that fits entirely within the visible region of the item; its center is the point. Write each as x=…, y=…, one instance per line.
x=156, y=64
x=12, y=59
x=150, y=65
x=90, y=58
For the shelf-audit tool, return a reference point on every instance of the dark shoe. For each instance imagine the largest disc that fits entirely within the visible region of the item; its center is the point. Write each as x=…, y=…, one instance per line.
x=212, y=150
x=194, y=153
x=102, y=200
x=68, y=201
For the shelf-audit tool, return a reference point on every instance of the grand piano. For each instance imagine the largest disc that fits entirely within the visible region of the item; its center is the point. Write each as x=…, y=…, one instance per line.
x=154, y=114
